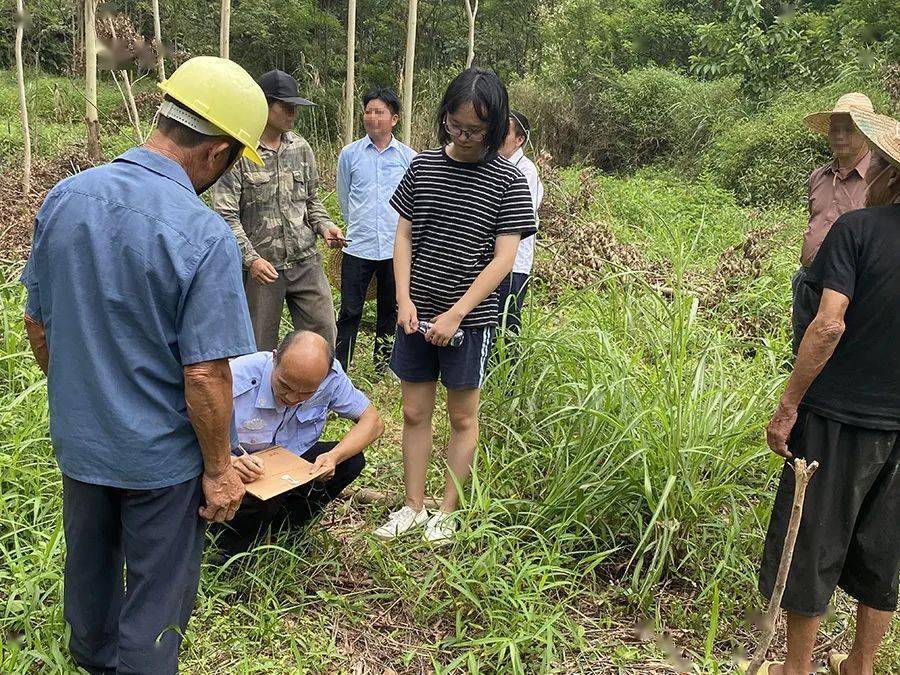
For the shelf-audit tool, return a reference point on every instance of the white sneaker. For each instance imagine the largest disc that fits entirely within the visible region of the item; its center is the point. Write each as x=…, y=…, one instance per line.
x=440, y=528
x=400, y=522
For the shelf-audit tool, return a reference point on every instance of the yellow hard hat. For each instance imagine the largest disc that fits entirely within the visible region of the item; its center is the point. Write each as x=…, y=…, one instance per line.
x=223, y=93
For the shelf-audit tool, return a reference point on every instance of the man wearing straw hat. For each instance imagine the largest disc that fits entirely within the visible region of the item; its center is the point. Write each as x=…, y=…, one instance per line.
x=841, y=407
x=833, y=189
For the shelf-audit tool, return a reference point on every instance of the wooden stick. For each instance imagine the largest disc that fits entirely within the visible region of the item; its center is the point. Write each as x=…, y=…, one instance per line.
x=388, y=499
x=802, y=475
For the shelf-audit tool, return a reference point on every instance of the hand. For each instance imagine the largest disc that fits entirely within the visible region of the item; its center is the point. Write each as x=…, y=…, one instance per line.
x=407, y=318
x=223, y=493
x=326, y=462
x=443, y=327
x=779, y=430
x=249, y=468
x=262, y=271
x=334, y=237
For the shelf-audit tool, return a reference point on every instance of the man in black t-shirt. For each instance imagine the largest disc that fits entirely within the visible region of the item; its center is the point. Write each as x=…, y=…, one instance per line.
x=841, y=407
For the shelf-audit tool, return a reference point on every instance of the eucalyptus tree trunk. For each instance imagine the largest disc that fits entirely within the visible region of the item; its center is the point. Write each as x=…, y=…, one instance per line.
x=350, y=85
x=471, y=12
x=23, y=104
x=225, y=29
x=90, y=79
x=409, y=68
x=157, y=38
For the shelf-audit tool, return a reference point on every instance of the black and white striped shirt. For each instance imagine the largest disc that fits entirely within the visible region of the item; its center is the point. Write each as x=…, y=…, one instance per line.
x=457, y=212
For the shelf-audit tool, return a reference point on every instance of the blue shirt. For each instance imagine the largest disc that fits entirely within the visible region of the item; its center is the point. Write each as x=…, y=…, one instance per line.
x=262, y=422
x=133, y=278
x=366, y=180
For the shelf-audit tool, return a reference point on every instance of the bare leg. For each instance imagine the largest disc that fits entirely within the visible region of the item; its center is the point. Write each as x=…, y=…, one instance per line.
x=462, y=407
x=871, y=627
x=801, y=640
x=418, y=407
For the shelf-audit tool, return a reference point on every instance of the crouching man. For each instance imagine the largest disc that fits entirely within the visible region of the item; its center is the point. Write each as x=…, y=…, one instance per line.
x=283, y=398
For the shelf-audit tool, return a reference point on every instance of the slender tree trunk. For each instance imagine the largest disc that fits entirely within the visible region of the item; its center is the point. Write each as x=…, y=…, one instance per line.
x=350, y=84
x=23, y=104
x=127, y=93
x=471, y=12
x=409, y=67
x=157, y=38
x=225, y=29
x=90, y=79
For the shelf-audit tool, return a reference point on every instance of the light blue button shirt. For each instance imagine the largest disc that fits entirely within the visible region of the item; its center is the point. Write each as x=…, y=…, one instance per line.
x=366, y=180
x=262, y=422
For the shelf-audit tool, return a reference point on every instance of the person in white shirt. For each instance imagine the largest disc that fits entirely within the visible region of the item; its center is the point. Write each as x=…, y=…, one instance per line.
x=514, y=286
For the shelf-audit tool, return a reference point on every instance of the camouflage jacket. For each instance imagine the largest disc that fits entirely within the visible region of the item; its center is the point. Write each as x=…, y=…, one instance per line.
x=273, y=210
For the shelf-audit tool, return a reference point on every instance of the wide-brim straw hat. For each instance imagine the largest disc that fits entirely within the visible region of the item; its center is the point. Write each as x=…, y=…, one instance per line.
x=820, y=121
x=881, y=131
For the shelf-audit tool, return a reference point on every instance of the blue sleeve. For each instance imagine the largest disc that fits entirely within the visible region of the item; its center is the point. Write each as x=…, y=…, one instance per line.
x=346, y=400
x=213, y=321
x=30, y=282
x=343, y=183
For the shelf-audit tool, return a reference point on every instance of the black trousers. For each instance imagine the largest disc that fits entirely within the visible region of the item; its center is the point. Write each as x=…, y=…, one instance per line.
x=512, y=292
x=804, y=307
x=850, y=531
x=116, y=618
x=289, y=510
x=356, y=274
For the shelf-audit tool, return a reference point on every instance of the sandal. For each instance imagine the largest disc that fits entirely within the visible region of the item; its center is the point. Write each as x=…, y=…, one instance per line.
x=834, y=663
x=763, y=669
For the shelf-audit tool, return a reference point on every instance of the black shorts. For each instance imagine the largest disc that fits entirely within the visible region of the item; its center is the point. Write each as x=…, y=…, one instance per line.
x=464, y=367
x=850, y=531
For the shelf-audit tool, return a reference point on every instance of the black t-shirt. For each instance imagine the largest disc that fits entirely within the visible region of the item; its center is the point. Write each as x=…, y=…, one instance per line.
x=457, y=212
x=860, y=258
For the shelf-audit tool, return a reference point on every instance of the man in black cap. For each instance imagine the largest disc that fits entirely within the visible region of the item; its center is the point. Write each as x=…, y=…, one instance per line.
x=275, y=213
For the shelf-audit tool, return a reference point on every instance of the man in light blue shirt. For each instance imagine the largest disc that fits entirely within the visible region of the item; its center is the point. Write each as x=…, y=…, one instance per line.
x=283, y=398
x=369, y=171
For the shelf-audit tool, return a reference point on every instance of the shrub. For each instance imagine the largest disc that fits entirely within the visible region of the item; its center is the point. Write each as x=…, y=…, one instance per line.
x=767, y=157
x=623, y=121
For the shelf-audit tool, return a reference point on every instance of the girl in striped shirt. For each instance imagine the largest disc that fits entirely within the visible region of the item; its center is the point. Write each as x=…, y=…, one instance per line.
x=463, y=211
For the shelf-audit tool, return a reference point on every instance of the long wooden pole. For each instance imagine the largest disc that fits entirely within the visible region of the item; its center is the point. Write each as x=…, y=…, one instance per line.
x=471, y=12
x=409, y=68
x=350, y=84
x=23, y=103
x=157, y=37
x=802, y=475
x=225, y=29
x=90, y=79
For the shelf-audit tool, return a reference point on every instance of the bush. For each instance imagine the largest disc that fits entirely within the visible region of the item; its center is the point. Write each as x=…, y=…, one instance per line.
x=623, y=121
x=767, y=158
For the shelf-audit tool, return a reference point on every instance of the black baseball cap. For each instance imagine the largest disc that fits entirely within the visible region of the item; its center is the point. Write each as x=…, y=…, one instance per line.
x=279, y=85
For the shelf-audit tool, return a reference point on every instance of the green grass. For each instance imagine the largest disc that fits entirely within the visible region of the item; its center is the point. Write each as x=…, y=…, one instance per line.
x=621, y=479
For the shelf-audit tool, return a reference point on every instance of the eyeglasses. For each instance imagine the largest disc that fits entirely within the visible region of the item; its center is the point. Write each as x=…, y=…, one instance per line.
x=463, y=134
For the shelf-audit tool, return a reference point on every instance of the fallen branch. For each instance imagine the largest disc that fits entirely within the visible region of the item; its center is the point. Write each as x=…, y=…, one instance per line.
x=802, y=475
x=387, y=499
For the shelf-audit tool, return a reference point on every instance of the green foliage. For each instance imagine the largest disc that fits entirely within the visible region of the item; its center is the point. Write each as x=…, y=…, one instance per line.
x=623, y=121
x=794, y=49
x=767, y=157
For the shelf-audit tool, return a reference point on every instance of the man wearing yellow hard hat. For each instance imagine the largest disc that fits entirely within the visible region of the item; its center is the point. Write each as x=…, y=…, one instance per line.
x=135, y=304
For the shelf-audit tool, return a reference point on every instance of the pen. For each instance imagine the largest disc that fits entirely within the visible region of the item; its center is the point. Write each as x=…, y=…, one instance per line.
x=247, y=454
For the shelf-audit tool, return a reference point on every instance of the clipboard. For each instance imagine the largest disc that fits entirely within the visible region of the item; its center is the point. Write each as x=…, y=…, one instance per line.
x=283, y=471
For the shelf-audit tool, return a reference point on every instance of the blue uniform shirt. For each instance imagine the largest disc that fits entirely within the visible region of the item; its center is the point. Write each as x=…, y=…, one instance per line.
x=133, y=278
x=262, y=422
x=366, y=179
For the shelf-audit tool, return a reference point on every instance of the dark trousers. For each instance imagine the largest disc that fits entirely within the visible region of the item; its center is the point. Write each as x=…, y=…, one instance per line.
x=308, y=294
x=116, y=618
x=356, y=274
x=290, y=509
x=512, y=292
x=804, y=307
